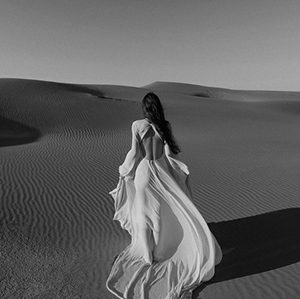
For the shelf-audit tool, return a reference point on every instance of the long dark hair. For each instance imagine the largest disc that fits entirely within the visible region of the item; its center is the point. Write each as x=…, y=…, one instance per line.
x=154, y=112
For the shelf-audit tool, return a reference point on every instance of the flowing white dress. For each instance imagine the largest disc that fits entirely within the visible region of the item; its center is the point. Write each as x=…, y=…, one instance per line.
x=172, y=249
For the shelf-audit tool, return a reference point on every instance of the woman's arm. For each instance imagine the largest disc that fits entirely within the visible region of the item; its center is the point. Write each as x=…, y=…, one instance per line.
x=133, y=157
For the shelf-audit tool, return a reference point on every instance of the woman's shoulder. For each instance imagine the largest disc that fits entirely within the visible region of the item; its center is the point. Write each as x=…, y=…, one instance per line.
x=140, y=127
x=140, y=124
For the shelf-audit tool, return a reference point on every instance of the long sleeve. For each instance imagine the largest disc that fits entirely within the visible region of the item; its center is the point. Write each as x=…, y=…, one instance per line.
x=124, y=193
x=133, y=157
x=180, y=171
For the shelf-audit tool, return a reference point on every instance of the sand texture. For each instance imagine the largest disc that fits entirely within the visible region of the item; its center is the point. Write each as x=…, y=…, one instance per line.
x=60, y=148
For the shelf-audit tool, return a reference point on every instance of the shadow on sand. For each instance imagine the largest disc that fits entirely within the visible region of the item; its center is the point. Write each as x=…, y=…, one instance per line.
x=256, y=244
x=15, y=133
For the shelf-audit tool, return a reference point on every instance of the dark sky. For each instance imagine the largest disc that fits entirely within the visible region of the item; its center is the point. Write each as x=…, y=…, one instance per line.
x=238, y=44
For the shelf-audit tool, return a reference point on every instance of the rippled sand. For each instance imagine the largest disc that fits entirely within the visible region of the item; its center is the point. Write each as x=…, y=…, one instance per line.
x=60, y=147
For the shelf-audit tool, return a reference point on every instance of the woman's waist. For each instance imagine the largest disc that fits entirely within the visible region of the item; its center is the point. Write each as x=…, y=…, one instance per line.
x=154, y=157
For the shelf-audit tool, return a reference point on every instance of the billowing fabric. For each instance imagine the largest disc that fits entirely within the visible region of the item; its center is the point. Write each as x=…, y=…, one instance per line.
x=172, y=249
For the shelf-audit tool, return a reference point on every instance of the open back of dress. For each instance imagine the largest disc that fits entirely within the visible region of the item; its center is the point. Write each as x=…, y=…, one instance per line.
x=172, y=249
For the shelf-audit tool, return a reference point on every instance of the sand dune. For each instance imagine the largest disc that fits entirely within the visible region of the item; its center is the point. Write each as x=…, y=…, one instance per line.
x=58, y=239
x=223, y=93
x=13, y=133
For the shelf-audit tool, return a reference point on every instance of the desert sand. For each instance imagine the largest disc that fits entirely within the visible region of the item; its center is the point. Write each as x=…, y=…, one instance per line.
x=60, y=148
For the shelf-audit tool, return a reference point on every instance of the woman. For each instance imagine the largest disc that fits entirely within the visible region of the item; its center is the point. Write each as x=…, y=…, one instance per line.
x=172, y=249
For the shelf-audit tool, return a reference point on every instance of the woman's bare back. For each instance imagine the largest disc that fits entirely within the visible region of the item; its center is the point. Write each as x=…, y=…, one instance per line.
x=152, y=145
